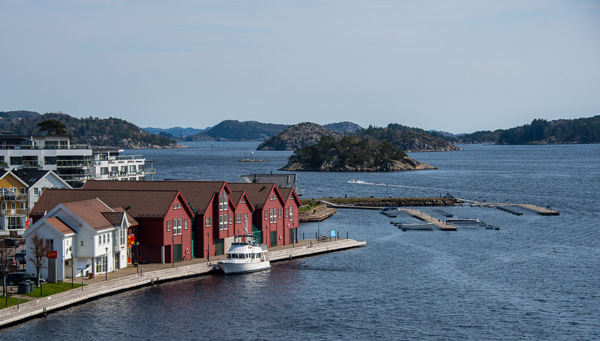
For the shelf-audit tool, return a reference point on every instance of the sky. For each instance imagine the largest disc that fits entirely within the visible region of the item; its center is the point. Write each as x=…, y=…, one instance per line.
x=457, y=65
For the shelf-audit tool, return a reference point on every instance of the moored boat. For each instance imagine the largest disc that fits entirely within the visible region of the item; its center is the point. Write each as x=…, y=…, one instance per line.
x=245, y=255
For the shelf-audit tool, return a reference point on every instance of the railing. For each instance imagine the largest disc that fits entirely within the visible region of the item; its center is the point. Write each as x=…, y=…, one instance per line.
x=16, y=212
x=13, y=197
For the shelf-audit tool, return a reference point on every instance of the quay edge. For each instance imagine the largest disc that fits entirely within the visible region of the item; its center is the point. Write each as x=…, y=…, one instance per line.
x=98, y=288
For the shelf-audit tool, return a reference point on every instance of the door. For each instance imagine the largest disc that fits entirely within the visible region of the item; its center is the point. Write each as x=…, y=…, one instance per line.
x=273, y=238
x=292, y=239
x=257, y=235
x=177, y=252
x=220, y=245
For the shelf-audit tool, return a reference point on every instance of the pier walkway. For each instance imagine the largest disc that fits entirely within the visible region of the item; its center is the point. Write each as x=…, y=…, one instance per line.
x=129, y=278
x=536, y=209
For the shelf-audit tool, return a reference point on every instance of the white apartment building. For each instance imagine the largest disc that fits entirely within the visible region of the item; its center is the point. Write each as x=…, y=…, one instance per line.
x=73, y=163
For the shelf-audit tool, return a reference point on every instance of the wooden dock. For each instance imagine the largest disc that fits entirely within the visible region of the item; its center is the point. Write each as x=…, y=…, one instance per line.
x=442, y=225
x=533, y=208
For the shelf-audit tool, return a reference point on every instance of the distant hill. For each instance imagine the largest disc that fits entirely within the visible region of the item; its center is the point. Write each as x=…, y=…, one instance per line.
x=18, y=114
x=343, y=127
x=175, y=132
x=233, y=130
x=540, y=131
x=111, y=132
x=352, y=154
x=297, y=136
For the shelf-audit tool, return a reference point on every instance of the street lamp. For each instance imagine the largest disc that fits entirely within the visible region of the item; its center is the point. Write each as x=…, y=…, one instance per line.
x=208, y=246
x=172, y=252
x=137, y=256
x=106, y=264
x=72, y=265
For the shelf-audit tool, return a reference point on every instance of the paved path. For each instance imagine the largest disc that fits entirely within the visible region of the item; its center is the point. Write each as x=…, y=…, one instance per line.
x=129, y=278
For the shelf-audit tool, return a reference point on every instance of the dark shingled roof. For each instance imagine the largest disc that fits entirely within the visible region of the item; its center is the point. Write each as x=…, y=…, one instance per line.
x=30, y=176
x=152, y=204
x=258, y=193
x=197, y=193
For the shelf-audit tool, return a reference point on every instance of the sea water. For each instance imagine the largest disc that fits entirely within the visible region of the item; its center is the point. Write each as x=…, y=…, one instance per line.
x=536, y=277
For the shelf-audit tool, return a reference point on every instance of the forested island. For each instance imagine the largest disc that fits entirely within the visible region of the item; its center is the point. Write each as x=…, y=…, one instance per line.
x=540, y=131
x=352, y=154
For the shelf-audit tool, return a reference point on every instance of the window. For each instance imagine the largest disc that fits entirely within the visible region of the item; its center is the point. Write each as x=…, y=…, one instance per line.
x=103, y=170
x=223, y=202
x=99, y=240
x=185, y=224
x=266, y=215
x=50, y=244
x=168, y=226
x=291, y=214
x=279, y=213
x=238, y=218
x=177, y=226
x=243, y=201
x=221, y=222
x=132, y=169
x=208, y=221
x=82, y=244
x=36, y=191
x=123, y=236
x=231, y=219
x=103, y=239
x=246, y=218
x=23, y=190
x=108, y=238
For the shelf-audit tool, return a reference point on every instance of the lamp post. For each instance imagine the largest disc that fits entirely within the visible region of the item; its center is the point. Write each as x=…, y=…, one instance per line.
x=72, y=265
x=208, y=246
x=172, y=252
x=137, y=256
x=106, y=264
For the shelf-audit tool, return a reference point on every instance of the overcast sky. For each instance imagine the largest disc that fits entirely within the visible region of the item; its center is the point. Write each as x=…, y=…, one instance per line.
x=457, y=66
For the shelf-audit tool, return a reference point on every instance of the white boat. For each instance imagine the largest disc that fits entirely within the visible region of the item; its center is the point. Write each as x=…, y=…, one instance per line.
x=245, y=255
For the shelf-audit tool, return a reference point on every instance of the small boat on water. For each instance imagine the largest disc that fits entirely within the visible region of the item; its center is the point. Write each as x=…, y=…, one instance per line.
x=245, y=255
x=391, y=212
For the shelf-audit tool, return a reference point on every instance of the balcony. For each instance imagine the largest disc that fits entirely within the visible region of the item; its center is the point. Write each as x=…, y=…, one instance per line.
x=13, y=197
x=17, y=212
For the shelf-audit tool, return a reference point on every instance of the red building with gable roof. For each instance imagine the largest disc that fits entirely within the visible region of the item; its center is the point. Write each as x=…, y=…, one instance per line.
x=164, y=232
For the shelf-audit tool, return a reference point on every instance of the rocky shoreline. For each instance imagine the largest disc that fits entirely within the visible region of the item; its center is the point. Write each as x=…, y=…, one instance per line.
x=405, y=164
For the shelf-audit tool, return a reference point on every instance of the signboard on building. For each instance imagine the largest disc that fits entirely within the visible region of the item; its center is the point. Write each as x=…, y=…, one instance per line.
x=82, y=264
x=51, y=254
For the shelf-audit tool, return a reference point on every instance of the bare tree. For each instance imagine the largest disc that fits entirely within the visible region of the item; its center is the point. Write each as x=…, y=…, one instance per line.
x=5, y=262
x=38, y=255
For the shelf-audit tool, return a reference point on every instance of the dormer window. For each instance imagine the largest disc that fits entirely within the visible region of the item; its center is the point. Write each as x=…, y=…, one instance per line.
x=223, y=202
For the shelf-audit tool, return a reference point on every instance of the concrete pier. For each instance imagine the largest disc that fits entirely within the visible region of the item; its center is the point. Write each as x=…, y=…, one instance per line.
x=127, y=279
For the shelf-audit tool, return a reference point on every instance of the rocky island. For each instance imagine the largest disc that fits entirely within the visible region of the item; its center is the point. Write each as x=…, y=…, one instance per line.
x=352, y=154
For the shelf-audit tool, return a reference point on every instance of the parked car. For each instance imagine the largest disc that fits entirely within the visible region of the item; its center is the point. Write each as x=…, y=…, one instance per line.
x=18, y=277
x=21, y=257
x=12, y=242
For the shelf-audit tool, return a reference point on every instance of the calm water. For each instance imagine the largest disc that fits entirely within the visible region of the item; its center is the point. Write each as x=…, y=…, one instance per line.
x=535, y=278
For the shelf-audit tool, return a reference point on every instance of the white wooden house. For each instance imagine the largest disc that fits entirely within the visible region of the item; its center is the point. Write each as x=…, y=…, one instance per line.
x=88, y=236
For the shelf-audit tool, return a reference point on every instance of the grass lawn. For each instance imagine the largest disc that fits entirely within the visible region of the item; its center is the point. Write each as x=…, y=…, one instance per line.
x=52, y=288
x=11, y=302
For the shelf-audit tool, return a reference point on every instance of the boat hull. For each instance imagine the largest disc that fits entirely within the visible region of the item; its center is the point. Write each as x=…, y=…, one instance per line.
x=231, y=268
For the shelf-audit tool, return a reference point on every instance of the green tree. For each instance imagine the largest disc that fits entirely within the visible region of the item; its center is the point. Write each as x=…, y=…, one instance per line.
x=52, y=127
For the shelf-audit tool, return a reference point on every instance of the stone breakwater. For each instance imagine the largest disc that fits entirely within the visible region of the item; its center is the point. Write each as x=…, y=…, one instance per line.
x=386, y=202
